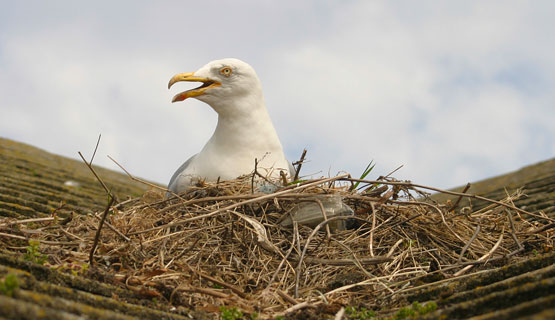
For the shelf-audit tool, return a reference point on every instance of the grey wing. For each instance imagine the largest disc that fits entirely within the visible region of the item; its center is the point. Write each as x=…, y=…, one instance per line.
x=172, y=185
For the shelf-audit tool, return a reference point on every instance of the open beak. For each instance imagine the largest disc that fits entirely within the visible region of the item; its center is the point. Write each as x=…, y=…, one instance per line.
x=190, y=76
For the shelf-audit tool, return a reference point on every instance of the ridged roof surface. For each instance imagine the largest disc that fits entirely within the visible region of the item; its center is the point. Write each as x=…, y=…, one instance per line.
x=35, y=183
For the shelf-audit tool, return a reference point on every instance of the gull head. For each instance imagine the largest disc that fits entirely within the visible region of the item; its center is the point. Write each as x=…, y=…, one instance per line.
x=223, y=81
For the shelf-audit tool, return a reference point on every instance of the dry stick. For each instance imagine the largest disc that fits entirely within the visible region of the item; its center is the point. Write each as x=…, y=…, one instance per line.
x=123, y=203
x=328, y=232
x=538, y=230
x=358, y=264
x=171, y=235
x=298, y=236
x=256, y=173
x=283, y=176
x=513, y=231
x=210, y=292
x=302, y=258
x=185, y=251
x=142, y=181
x=205, y=199
x=111, y=227
x=231, y=287
x=296, y=307
x=433, y=283
x=430, y=205
x=284, y=260
x=339, y=315
x=287, y=297
x=72, y=235
x=371, y=240
x=345, y=262
x=484, y=257
x=299, y=165
x=235, y=205
x=372, y=281
x=95, y=148
x=392, y=172
x=96, y=175
x=456, y=204
x=380, y=178
x=112, y=199
x=97, y=236
x=27, y=221
x=478, y=227
x=414, y=185
x=253, y=174
x=299, y=265
x=53, y=243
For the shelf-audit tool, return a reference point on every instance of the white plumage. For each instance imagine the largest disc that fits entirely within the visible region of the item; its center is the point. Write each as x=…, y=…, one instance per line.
x=244, y=130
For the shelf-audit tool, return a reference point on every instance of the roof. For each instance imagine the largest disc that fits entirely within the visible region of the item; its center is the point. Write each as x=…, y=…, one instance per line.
x=33, y=184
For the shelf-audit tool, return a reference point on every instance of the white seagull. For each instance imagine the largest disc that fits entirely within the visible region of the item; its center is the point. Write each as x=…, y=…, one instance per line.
x=244, y=132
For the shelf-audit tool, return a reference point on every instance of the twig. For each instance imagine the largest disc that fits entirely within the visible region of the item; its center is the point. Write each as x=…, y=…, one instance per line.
x=345, y=262
x=284, y=260
x=299, y=165
x=207, y=291
x=95, y=148
x=97, y=236
x=398, y=243
x=456, y=204
x=392, y=172
x=513, y=230
x=11, y=223
x=233, y=288
x=96, y=175
x=339, y=315
x=111, y=227
x=254, y=174
x=370, y=281
x=308, y=240
x=287, y=297
x=436, y=283
x=484, y=257
x=283, y=176
x=414, y=185
x=242, y=203
x=328, y=232
x=478, y=227
x=140, y=180
x=538, y=230
x=52, y=243
x=371, y=238
x=258, y=173
x=296, y=307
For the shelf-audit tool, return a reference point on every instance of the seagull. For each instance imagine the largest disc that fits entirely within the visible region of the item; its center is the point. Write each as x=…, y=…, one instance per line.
x=244, y=131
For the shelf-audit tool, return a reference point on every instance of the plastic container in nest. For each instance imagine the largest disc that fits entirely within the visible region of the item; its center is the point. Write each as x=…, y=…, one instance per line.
x=310, y=213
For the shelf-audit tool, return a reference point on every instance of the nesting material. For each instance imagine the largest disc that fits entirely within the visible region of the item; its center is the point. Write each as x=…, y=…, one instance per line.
x=314, y=210
x=223, y=245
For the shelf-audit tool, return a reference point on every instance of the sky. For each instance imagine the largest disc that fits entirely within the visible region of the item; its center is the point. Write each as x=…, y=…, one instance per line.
x=454, y=91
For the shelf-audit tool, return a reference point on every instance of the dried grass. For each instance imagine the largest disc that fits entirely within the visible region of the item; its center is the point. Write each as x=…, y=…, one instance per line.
x=221, y=244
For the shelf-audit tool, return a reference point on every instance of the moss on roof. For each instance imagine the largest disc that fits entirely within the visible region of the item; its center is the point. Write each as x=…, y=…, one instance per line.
x=34, y=183
x=536, y=181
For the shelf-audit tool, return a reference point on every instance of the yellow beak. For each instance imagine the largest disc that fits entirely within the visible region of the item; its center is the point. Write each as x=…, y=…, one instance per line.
x=190, y=76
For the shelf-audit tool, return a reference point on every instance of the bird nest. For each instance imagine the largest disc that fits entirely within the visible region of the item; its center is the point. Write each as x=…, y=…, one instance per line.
x=225, y=245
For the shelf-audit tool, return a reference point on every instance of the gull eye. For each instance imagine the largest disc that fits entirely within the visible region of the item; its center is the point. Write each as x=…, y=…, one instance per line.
x=226, y=71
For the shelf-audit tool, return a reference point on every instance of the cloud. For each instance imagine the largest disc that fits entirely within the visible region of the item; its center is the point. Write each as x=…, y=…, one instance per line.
x=430, y=91
x=454, y=92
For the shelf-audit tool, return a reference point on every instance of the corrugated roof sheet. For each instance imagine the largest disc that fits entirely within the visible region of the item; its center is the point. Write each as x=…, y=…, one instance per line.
x=35, y=183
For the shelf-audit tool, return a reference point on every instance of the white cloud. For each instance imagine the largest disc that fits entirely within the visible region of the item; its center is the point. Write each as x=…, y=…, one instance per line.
x=455, y=92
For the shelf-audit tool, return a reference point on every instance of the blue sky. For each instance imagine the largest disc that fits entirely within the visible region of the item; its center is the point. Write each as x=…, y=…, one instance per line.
x=455, y=92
